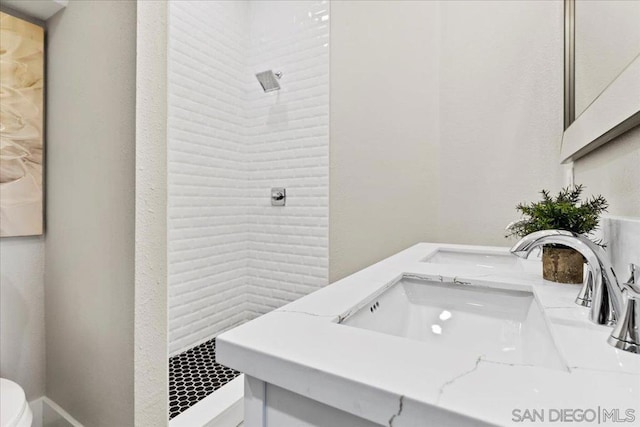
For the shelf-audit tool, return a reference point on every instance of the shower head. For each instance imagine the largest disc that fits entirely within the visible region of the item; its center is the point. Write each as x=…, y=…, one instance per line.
x=269, y=80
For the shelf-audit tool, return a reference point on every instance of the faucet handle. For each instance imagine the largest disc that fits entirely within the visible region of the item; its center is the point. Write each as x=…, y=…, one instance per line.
x=634, y=271
x=585, y=295
x=626, y=334
x=631, y=290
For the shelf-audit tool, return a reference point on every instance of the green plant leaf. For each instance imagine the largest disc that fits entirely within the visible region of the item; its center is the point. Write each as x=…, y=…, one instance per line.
x=564, y=212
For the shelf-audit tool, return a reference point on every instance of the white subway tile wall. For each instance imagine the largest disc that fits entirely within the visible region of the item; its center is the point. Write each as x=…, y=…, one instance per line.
x=207, y=242
x=288, y=146
x=233, y=256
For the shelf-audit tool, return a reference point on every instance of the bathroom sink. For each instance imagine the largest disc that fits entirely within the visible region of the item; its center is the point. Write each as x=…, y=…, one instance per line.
x=484, y=260
x=504, y=326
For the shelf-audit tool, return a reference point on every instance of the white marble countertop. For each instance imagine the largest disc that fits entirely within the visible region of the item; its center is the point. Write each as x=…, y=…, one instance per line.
x=391, y=380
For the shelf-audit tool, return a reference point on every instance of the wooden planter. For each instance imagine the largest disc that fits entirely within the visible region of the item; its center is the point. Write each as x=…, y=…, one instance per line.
x=562, y=265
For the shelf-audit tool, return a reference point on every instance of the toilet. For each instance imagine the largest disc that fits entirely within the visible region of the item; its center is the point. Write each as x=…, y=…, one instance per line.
x=14, y=409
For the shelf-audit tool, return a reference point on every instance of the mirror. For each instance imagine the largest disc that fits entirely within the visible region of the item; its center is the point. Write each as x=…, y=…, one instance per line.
x=607, y=39
x=602, y=73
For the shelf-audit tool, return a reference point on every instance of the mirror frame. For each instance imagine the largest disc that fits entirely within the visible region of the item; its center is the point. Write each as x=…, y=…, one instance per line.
x=569, y=62
x=615, y=110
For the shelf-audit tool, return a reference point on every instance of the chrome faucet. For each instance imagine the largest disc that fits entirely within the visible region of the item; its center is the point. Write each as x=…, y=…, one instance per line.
x=601, y=284
x=601, y=291
x=626, y=334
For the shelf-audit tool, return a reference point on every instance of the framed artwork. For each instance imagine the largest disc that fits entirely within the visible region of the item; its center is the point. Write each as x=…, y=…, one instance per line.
x=21, y=127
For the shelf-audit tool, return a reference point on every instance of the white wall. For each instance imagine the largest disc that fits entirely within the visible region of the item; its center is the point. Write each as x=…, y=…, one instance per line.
x=501, y=109
x=22, y=353
x=612, y=170
x=89, y=247
x=232, y=256
x=384, y=130
x=151, y=386
x=444, y=115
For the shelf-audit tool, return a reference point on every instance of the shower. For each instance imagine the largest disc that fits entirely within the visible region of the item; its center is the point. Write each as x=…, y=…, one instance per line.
x=269, y=80
x=233, y=254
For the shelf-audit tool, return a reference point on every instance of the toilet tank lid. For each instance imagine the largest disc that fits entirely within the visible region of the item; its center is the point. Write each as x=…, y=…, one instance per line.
x=13, y=403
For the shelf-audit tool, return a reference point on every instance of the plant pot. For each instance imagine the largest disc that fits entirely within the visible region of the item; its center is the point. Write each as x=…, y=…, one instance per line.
x=562, y=264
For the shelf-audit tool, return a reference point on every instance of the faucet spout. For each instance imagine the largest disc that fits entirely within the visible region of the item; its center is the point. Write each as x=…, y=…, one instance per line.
x=607, y=301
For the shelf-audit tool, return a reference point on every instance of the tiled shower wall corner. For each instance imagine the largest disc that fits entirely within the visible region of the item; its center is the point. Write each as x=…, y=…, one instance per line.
x=232, y=256
x=207, y=241
x=288, y=146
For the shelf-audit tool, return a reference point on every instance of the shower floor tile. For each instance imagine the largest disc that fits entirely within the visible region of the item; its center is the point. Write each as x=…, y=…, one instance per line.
x=193, y=375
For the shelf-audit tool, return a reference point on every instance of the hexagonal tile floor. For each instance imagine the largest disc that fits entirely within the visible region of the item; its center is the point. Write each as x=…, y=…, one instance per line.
x=193, y=375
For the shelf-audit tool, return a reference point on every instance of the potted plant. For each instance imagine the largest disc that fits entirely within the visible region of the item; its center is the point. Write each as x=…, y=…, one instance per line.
x=564, y=212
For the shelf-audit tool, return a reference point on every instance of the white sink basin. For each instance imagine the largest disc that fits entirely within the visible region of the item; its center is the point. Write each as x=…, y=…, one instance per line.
x=504, y=326
x=484, y=260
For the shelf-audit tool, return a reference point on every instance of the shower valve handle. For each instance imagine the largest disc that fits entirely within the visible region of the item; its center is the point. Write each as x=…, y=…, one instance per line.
x=278, y=196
